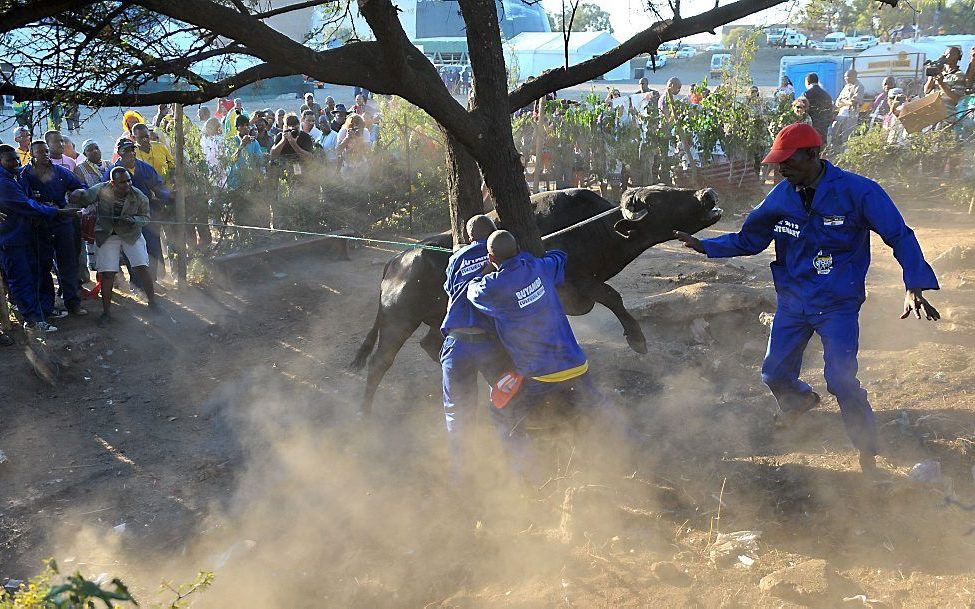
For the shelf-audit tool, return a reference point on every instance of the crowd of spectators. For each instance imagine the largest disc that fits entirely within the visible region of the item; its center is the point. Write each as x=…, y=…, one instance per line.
x=66, y=212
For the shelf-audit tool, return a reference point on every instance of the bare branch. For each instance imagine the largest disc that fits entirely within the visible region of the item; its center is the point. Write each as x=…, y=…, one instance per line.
x=208, y=91
x=292, y=7
x=31, y=12
x=646, y=41
x=240, y=7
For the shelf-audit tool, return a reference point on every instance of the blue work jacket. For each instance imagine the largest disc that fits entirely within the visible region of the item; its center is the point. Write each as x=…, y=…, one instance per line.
x=55, y=190
x=522, y=300
x=18, y=210
x=822, y=257
x=145, y=178
x=465, y=264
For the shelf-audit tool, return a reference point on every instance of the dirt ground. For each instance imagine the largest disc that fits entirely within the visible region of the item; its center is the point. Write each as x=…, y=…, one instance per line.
x=223, y=436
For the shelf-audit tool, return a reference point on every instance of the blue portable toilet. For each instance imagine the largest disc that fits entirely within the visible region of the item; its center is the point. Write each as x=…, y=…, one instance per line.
x=829, y=68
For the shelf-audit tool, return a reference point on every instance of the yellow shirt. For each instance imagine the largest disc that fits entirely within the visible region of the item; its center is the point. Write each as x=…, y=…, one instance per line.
x=24, y=156
x=159, y=157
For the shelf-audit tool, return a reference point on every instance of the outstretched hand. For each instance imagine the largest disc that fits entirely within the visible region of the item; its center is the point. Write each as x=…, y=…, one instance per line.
x=689, y=241
x=915, y=302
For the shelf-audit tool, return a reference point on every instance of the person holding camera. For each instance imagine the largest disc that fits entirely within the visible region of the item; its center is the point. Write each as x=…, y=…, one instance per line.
x=949, y=82
x=293, y=146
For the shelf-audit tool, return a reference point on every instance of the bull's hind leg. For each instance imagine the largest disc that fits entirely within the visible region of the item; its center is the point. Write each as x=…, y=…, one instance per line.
x=391, y=339
x=432, y=343
x=611, y=299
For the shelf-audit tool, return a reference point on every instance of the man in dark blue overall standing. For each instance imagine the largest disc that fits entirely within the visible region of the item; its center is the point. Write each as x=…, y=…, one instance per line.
x=470, y=344
x=820, y=218
x=19, y=214
x=59, y=246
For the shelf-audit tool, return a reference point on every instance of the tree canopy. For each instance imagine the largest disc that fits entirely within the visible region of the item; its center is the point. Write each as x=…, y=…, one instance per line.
x=588, y=18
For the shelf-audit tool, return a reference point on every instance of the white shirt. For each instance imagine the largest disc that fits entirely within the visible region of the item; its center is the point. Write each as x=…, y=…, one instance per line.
x=329, y=144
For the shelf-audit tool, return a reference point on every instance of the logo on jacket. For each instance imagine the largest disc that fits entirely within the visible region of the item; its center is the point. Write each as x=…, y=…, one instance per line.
x=530, y=294
x=472, y=265
x=833, y=220
x=788, y=227
x=823, y=263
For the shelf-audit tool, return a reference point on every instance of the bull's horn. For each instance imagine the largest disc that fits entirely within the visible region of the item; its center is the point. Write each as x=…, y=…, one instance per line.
x=634, y=216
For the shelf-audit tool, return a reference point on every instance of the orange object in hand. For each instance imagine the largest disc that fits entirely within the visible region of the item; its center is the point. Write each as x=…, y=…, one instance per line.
x=506, y=388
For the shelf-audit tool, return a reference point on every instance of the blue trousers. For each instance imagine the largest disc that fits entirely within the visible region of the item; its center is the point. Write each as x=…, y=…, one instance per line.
x=840, y=333
x=579, y=392
x=20, y=269
x=57, y=249
x=461, y=361
x=154, y=248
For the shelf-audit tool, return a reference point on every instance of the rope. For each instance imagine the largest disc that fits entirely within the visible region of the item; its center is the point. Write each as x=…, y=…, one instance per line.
x=583, y=223
x=406, y=245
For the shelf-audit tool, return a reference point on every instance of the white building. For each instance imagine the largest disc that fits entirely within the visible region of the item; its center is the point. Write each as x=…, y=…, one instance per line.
x=531, y=53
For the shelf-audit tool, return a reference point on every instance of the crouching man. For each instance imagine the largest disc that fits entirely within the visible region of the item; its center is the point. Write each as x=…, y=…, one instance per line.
x=820, y=218
x=518, y=293
x=121, y=212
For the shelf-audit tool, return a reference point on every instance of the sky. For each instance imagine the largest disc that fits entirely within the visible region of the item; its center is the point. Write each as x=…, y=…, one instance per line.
x=631, y=16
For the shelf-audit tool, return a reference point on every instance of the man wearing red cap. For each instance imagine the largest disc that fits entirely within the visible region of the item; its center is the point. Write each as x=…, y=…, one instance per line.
x=820, y=218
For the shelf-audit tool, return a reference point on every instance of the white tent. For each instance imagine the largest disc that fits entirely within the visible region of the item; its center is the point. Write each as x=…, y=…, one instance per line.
x=531, y=53
x=905, y=60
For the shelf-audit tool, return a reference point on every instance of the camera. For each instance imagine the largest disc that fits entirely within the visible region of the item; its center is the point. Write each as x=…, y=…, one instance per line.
x=933, y=68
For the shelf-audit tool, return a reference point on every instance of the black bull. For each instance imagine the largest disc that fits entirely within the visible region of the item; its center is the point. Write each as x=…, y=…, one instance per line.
x=411, y=292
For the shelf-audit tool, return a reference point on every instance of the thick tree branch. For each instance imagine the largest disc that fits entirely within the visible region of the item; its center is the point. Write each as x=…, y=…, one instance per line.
x=210, y=90
x=292, y=7
x=36, y=10
x=646, y=41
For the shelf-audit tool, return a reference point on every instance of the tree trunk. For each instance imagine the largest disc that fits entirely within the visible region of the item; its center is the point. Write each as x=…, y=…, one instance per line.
x=495, y=152
x=463, y=189
x=505, y=178
x=179, y=154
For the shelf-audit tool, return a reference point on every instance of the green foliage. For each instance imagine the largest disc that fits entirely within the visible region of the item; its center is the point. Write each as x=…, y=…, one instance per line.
x=732, y=36
x=78, y=592
x=820, y=17
x=898, y=167
x=588, y=18
x=204, y=579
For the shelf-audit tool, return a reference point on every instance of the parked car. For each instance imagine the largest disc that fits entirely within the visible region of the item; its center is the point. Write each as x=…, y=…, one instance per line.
x=862, y=43
x=815, y=44
x=834, y=42
x=668, y=48
x=686, y=52
x=786, y=38
x=718, y=61
x=661, y=61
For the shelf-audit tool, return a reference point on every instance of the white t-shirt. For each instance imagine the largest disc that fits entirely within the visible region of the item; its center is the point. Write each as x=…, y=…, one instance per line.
x=66, y=162
x=329, y=144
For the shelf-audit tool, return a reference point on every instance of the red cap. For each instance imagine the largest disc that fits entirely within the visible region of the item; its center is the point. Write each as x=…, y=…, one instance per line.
x=792, y=137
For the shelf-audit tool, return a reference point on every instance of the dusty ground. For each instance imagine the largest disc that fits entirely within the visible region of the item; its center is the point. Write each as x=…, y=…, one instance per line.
x=222, y=435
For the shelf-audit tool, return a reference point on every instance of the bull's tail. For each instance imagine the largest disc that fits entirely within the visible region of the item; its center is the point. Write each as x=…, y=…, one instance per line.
x=365, y=349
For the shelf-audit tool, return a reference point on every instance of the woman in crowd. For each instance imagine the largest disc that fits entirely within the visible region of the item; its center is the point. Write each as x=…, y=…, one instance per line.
x=785, y=90
x=213, y=146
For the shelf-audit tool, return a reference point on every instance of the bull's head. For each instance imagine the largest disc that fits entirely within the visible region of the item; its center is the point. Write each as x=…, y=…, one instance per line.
x=653, y=213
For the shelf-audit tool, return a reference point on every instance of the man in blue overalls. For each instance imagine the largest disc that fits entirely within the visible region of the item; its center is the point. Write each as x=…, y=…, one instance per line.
x=521, y=298
x=470, y=344
x=58, y=244
x=18, y=243
x=820, y=218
